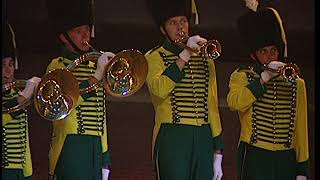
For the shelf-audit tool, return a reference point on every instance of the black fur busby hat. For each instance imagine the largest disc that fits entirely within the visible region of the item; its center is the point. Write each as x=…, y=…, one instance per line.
x=162, y=10
x=65, y=15
x=8, y=42
x=262, y=28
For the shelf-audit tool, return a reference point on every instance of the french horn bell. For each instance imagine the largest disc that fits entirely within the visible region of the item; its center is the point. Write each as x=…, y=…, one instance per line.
x=125, y=74
x=56, y=95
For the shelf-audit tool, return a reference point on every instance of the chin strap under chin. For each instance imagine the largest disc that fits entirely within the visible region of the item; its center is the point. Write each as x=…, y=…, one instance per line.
x=73, y=44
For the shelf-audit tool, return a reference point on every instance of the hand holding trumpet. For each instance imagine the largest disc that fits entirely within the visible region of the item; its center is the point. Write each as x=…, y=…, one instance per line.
x=274, y=68
x=193, y=43
x=200, y=46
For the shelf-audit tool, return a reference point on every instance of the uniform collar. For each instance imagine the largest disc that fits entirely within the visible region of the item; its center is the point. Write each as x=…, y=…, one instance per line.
x=172, y=47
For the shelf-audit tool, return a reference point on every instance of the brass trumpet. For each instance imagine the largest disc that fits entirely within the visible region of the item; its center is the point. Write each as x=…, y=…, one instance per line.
x=210, y=49
x=288, y=71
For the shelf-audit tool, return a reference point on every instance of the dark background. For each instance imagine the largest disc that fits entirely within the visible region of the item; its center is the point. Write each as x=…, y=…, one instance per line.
x=124, y=24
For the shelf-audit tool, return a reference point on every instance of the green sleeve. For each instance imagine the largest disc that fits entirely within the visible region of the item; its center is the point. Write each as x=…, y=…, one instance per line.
x=174, y=73
x=218, y=142
x=303, y=168
x=106, y=160
x=257, y=88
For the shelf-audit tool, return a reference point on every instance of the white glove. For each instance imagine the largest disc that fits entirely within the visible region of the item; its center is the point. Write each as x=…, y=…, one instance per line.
x=105, y=174
x=102, y=62
x=193, y=42
x=266, y=75
x=30, y=87
x=300, y=177
x=276, y=64
x=217, y=166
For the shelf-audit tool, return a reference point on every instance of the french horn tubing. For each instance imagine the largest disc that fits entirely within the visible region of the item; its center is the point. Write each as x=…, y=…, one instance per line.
x=20, y=85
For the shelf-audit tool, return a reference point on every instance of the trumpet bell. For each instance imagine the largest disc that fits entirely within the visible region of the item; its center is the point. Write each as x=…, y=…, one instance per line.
x=125, y=74
x=57, y=94
x=211, y=49
x=290, y=71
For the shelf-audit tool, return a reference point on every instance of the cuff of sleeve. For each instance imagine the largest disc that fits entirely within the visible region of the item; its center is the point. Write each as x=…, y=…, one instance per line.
x=257, y=88
x=174, y=73
x=106, y=160
x=218, y=142
x=302, y=168
x=83, y=85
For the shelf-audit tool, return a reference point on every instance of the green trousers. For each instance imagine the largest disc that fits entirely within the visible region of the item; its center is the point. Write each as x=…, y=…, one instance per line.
x=260, y=164
x=80, y=159
x=184, y=152
x=14, y=174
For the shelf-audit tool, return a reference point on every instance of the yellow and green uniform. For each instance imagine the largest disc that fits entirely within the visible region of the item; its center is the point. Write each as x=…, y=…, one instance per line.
x=16, y=155
x=273, y=119
x=80, y=140
x=186, y=100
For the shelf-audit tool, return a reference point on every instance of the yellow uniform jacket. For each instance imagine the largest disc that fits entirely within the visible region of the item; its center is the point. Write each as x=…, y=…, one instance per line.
x=273, y=116
x=15, y=136
x=188, y=97
x=89, y=116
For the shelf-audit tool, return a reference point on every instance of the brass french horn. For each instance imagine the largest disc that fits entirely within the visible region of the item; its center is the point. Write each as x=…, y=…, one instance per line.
x=61, y=92
x=126, y=73
x=58, y=91
x=57, y=94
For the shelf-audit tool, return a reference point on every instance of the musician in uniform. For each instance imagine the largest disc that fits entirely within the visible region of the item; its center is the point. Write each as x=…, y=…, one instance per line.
x=16, y=155
x=79, y=148
x=187, y=136
x=272, y=105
